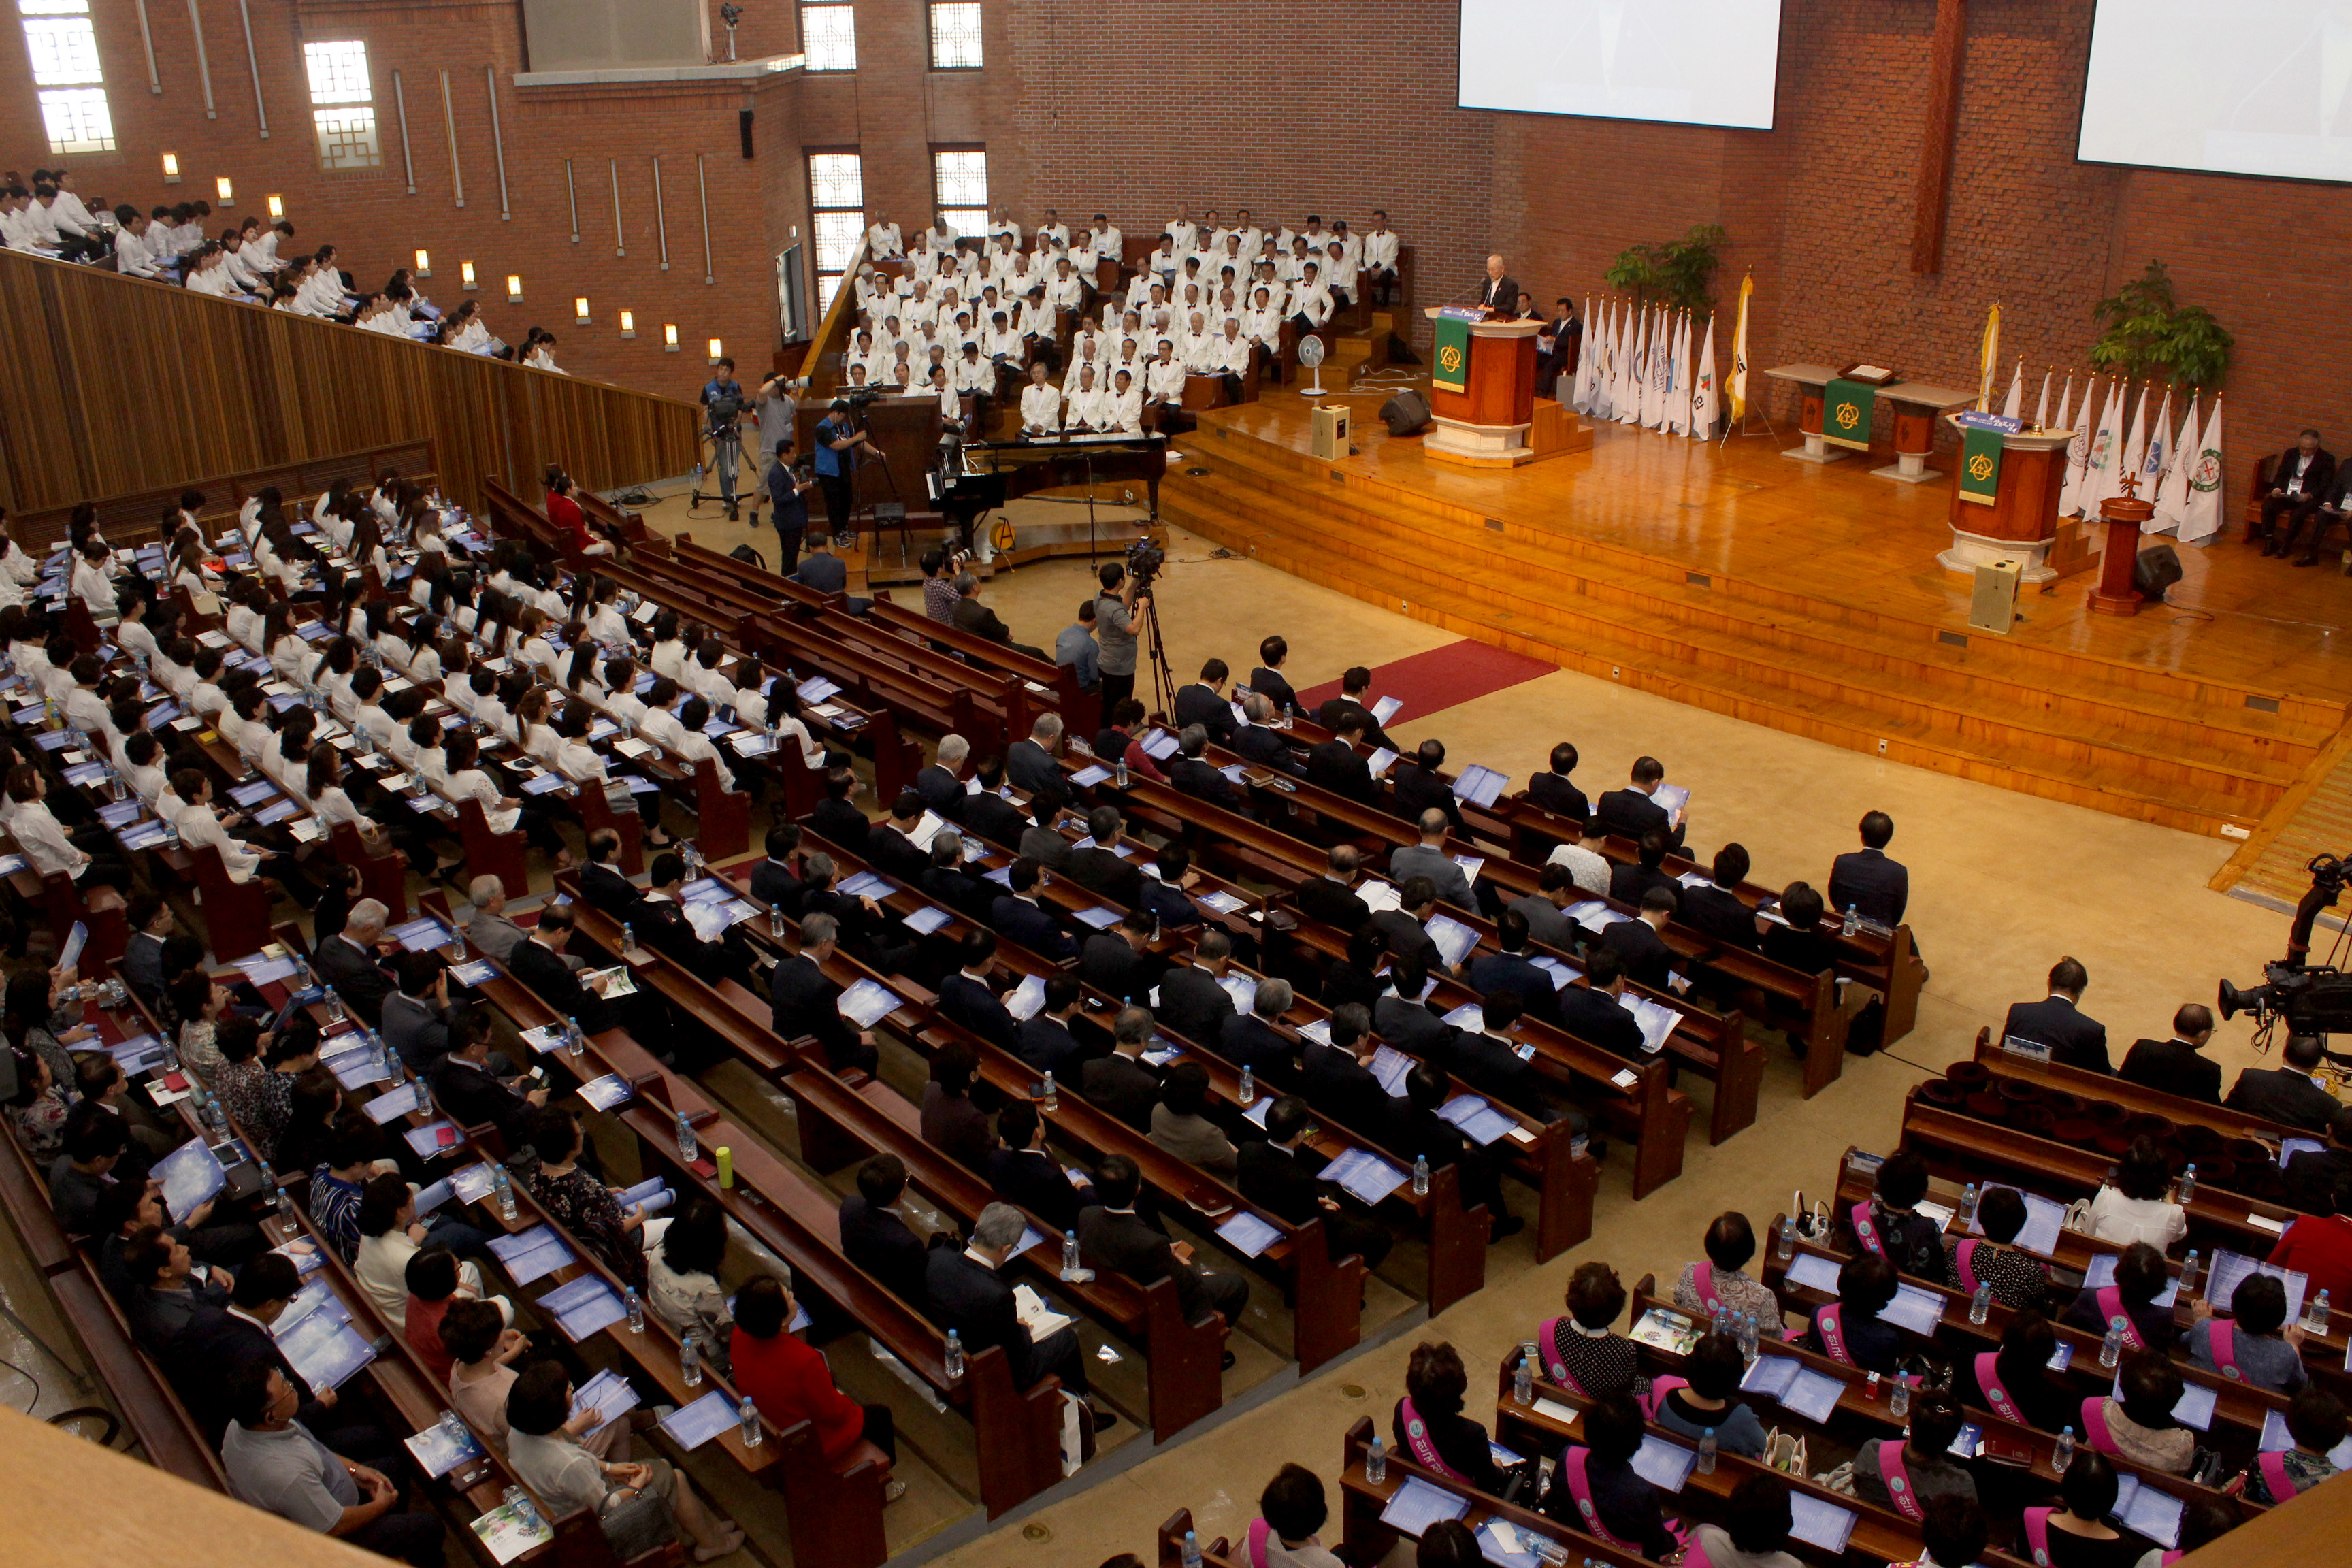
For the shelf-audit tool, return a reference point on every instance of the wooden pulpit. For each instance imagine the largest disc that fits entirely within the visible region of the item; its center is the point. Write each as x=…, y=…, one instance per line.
x=1485, y=425
x=2022, y=524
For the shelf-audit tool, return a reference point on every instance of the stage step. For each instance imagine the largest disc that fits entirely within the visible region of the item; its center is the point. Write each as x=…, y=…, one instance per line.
x=1680, y=644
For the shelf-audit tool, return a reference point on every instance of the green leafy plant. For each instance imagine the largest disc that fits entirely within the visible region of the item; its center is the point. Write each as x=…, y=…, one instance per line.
x=1679, y=273
x=2145, y=330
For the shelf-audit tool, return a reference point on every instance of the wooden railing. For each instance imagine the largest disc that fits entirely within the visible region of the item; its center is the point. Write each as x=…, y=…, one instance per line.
x=119, y=385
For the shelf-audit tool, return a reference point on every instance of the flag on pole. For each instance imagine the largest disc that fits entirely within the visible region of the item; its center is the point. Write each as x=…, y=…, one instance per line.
x=1604, y=367
x=2203, y=518
x=2078, y=451
x=1637, y=372
x=1706, y=402
x=1577, y=398
x=2065, y=405
x=1662, y=372
x=2009, y=409
x=2172, y=497
x=2134, y=450
x=1679, y=395
x=1989, y=359
x=2042, y=406
x=1740, y=352
x=2158, y=457
x=2106, y=441
x=1621, y=364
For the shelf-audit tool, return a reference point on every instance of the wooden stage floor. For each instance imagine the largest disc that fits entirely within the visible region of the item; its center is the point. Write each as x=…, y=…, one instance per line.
x=1836, y=533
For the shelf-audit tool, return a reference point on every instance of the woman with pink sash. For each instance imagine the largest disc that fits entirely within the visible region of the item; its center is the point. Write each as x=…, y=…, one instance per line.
x=1577, y=1350
x=2073, y=1535
x=1290, y=1511
x=1755, y=1531
x=1595, y=1488
x=1429, y=1426
x=2249, y=1346
x=2139, y=1425
x=2015, y=1383
x=1849, y=1330
x=2316, y=1425
x=1719, y=1283
x=1908, y=1475
x=2018, y=1279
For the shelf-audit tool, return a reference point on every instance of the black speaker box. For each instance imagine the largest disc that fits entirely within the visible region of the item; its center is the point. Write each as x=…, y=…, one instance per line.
x=1407, y=413
x=2156, y=569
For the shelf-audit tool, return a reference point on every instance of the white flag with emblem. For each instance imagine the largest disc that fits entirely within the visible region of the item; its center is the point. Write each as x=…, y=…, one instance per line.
x=2202, y=520
x=2042, y=406
x=1637, y=372
x=2065, y=405
x=2099, y=459
x=2134, y=449
x=2016, y=399
x=2153, y=463
x=1678, y=402
x=2172, y=497
x=2078, y=449
x=1706, y=402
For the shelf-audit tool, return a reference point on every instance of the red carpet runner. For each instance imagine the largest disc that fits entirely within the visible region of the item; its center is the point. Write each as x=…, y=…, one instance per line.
x=1443, y=677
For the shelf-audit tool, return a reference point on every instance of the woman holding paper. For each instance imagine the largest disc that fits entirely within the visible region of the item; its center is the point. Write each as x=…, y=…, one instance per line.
x=682, y=1281
x=564, y=1474
x=484, y=1350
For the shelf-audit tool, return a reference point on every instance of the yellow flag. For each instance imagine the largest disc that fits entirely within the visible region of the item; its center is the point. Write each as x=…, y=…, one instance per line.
x=1989, y=359
x=1738, y=384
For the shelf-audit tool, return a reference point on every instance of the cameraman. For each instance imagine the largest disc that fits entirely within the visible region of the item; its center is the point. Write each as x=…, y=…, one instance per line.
x=839, y=442
x=777, y=409
x=722, y=405
x=1116, y=608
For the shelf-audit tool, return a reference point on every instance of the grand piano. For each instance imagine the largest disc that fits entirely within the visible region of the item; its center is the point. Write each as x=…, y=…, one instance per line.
x=993, y=472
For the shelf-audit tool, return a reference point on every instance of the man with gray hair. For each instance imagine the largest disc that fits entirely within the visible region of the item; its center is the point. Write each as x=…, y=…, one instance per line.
x=942, y=784
x=969, y=1299
x=972, y=616
x=1122, y=1084
x=347, y=961
x=804, y=1003
x=1251, y=1040
x=1260, y=742
x=1428, y=859
x=1195, y=776
x=488, y=928
x=1030, y=763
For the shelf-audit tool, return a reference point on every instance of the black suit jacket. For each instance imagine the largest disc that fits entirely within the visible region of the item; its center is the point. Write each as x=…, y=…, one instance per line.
x=1878, y=888
x=1031, y=766
x=972, y=1299
x=801, y=1002
x=2317, y=480
x=959, y=891
x=1629, y=881
x=1110, y=965
x=1191, y=1004
x=1199, y=777
x=994, y=818
x=1408, y=1025
x=1167, y=904
x=1279, y=1180
x=1120, y=1088
x=551, y=981
x=1554, y=792
x=2074, y=1039
x=1030, y=1180
x=1099, y=870
x=1341, y=1087
x=606, y=889
x=1595, y=1017
x=968, y=1001
x=213, y=1346
x=471, y=1097
x=2176, y=1066
x=1492, y=1067
x=1266, y=749
x=662, y=926
x=1124, y=1244
x=2312, y=1176
x=895, y=854
x=1513, y=972
x=1248, y=1041
x=1331, y=904
x=1197, y=704
x=1270, y=685
x=1046, y=1044
x=1647, y=958
x=778, y=886
x=2285, y=1095
x=878, y=1241
x=1338, y=708
x=1630, y=814
x=1418, y=789
x=839, y=822
x=1018, y=920
x=355, y=977
x=1336, y=767
x=1721, y=915
x=941, y=791
x=1405, y=936
x=981, y=620
x=1500, y=295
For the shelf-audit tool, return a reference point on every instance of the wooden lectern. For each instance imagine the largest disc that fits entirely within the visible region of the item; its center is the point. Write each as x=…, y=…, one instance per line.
x=2023, y=522
x=1485, y=426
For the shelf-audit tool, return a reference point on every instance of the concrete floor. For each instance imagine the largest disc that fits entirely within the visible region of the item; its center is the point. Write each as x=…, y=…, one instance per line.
x=2002, y=884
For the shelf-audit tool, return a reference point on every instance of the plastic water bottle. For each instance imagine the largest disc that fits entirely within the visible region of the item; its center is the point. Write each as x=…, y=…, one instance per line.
x=689, y=1363
x=1421, y=1175
x=1852, y=921
x=2111, y=1349
x=502, y=1186
x=2061, y=1454
x=690, y=1147
x=954, y=1355
x=636, y=1306
x=1898, y=1397
x=1376, y=1462
x=1749, y=1335
x=1980, y=1303
x=628, y=939
x=2315, y=1316
x=453, y=1428
x=748, y=1413
x=456, y=945
x=424, y=1099
x=1071, y=1267
x=1720, y=1320
x=171, y=1056
x=1119, y=773
x=335, y=1014
x=526, y=1513
x=1048, y=1095
x=2189, y=1276
x=1967, y=1206
x=1523, y=1376
x=1786, y=1247
x=2188, y=1183
x=573, y=1040
x=1247, y=1094
x=1707, y=1452
x=1192, y=1548
x=776, y=924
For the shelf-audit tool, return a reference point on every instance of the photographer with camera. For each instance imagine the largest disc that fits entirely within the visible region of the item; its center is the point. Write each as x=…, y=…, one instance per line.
x=1116, y=610
x=722, y=409
x=839, y=443
x=777, y=409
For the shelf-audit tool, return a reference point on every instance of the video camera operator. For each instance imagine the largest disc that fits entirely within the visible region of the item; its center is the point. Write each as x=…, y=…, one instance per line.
x=777, y=409
x=840, y=440
x=1116, y=609
x=722, y=405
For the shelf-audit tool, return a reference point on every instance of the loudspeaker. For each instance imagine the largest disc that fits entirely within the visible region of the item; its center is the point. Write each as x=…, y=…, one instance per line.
x=2154, y=570
x=1993, y=607
x=1407, y=413
x=1330, y=431
x=743, y=124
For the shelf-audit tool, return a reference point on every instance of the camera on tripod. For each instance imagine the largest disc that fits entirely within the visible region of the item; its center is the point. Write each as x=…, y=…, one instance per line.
x=723, y=410
x=1144, y=560
x=2312, y=998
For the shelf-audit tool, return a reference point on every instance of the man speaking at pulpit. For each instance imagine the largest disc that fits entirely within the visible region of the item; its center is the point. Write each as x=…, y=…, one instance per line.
x=1499, y=295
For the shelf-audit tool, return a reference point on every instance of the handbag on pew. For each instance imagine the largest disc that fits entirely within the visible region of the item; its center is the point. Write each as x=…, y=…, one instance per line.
x=1838, y=1480
x=2078, y=1217
x=1785, y=1451
x=635, y=1523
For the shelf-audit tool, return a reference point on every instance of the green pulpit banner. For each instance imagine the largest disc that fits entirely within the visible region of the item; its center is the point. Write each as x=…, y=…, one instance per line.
x=1846, y=414
x=1449, y=369
x=1980, y=466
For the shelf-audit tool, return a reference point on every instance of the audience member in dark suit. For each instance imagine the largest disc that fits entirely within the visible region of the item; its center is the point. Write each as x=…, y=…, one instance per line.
x=2177, y=1066
x=1194, y=774
x=1275, y=1175
x=1121, y=740
x=1866, y=882
x=1554, y=791
x=1545, y=910
x=1330, y=899
x=1335, y=765
x=876, y=1240
x=1114, y=961
x=1030, y=763
x=1250, y=1040
x=804, y=1002
x=1041, y=841
x=1098, y=868
x=1267, y=679
x=776, y=880
x=1191, y=1002
x=1627, y=883
x=1804, y=944
x=947, y=884
x=539, y=965
x=966, y=997
x=1112, y=1237
x=463, y=1083
x=603, y=885
x=1405, y=928
x=863, y=930
x=2313, y=1176
x=1512, y=970
x=663, y=927
x=1401, y=1017
x=2286, y=1092
x=1260, y=743
x=347, y=961
x=1336, y=1079
x=1043, y=1039
x=1488, y=1061
x=988, y=813
x=969, y=1298
x=951, y=1123
x=1022, y=1173
x=836, y=819
x=416, y=1013
x=216, y=1344
x=1592, y=1013
x=981, y=620
x=1418, y=789
x=1204, y=702
x=1356, y=977
x=1426, y=1132
x=2301, y=480
x=1335, y=714
x=890, y=846
x=1648, y=960
x=2075, y=1039
x=1165, y=892
x=1630, y=813
x=1717, y=909
x=1021, y=919
x=1122, y=1084
x=939, y=784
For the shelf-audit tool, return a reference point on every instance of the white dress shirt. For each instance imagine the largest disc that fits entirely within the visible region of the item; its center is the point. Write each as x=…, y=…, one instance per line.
x=1041, y=407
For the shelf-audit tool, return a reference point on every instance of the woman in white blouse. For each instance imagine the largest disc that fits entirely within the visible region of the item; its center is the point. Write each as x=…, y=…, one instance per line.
x=536, y=650
x=539, y=740
x=504, y=813
x=92, y=583
x=16, y=562
x=668, y=653
x=694, y=745
x=605, y=622
x=291, y=656
x=2138, y=1205
x=575, y=759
